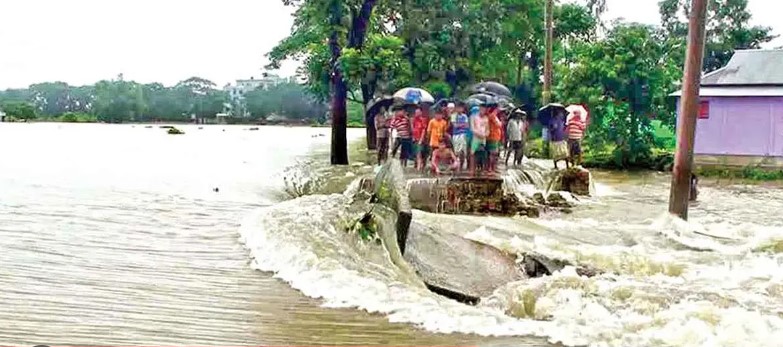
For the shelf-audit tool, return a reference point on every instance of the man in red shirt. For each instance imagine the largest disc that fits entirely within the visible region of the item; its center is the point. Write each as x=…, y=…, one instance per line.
x=420, y=122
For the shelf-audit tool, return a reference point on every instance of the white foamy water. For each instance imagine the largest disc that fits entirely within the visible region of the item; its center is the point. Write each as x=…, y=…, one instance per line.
x=713, y=281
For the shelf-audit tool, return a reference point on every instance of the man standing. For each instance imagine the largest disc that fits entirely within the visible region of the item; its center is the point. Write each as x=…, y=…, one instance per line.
x=495, y=136
x=437, y=130
x=558, y=148
x=420, y=121
x=516, y=132
x=382, y=131
x=576, y=132
x=460, y=129
x=479, y=131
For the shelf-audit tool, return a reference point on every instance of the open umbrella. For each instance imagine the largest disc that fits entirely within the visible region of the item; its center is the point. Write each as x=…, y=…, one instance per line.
x=546, y=113
x=482, y=99
x=491, y=87
x=574, y=109
x=414, y=96
x=378, y=103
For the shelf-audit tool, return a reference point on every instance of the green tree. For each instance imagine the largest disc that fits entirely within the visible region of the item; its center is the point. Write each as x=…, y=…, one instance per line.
x=19, y=110
x=624, y=79
x=118, y=101
x=286, y=99
x=51, y=98
x=343, y=24
x=728, y=29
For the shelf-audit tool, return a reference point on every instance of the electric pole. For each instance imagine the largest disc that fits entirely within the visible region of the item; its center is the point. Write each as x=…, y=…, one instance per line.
x=689, y=108
x=547, y=93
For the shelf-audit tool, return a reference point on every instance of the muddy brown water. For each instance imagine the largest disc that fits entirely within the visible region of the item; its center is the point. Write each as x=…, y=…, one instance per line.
x=113, y=235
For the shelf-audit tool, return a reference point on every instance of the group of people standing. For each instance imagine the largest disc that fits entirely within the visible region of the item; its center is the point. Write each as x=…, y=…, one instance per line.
x=457, y=135
x=564, y=133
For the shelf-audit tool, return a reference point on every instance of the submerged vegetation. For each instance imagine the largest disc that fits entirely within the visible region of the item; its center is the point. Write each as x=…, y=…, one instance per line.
x=750, y=173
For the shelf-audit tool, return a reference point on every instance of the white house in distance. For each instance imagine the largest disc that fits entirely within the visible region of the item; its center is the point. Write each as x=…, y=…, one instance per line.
x=238, y=91
x=242, y=87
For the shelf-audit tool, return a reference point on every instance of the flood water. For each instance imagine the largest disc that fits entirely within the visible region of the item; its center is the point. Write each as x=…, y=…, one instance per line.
x=115, y=235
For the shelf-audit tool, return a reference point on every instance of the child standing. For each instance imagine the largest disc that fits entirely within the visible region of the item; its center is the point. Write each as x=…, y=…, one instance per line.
x=402, y=125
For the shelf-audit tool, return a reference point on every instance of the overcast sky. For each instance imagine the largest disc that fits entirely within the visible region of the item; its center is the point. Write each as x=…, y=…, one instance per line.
x=83, y=41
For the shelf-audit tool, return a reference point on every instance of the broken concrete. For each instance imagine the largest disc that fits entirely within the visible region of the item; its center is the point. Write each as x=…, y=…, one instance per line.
x=454, y=264
x=574, y=180
x=448, y=263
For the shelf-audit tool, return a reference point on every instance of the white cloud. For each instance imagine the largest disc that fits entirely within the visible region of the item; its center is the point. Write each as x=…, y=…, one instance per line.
x=83, y=41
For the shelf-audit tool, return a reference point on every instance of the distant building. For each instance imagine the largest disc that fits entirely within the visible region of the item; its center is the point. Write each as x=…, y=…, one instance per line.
x=2, y=116
x=238, y=91
x=740, y=121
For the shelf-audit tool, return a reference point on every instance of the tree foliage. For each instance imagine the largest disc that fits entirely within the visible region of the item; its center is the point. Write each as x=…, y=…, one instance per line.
x=624, y=79
x=119, y=100
x=728, y=28
x=19, y=110
x=290, y=100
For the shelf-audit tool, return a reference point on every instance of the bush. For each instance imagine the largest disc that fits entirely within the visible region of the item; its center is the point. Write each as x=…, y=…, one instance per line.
x=72, y=117
x=607, y=158
x=355, y=114
x=752, y=173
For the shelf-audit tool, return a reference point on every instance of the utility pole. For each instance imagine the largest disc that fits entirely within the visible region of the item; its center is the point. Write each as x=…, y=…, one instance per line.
x=689, y=108
x=547, y=93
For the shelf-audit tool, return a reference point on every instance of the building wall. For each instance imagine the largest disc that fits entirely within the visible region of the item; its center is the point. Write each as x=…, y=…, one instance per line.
x=741, y=126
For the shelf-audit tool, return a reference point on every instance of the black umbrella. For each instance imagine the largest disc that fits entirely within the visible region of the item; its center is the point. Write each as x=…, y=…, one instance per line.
x=482, y=99
x=376, y=105
x=491, y=87
x=546, y=113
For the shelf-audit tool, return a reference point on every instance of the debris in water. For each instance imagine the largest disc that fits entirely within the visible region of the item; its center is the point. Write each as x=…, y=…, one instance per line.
x=175, y=131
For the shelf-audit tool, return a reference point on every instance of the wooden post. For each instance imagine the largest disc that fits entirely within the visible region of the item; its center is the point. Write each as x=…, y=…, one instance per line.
x=547, y=92
x=689, y=108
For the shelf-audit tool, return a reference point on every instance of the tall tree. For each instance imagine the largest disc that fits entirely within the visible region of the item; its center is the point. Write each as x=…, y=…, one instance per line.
x=344, y=24
x=624, y=79
x=728, y=29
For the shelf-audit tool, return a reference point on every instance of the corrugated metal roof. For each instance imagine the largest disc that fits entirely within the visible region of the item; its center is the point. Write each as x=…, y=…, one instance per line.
x=749, y=67
x=738, y=91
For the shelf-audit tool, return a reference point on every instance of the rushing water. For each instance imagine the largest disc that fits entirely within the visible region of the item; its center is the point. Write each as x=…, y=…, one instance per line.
x=114, y=235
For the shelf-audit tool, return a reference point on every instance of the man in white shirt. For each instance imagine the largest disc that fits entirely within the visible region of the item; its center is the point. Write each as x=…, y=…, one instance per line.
x=516, y=132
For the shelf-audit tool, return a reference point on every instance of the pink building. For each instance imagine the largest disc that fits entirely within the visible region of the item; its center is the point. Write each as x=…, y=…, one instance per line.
x=741, y=116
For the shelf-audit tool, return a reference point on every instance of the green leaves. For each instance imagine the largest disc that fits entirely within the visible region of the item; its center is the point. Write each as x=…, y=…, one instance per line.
x=728, y=29
x=624, y=79
x=19, y=110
